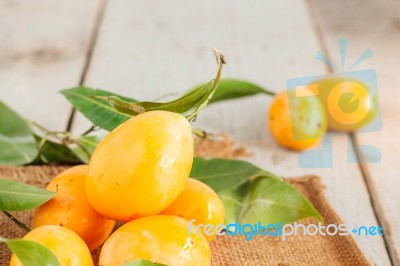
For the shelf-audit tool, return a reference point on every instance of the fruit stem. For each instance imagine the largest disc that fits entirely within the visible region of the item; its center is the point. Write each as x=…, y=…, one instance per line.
x=40, y=147
x=85, y=151
x=200, y=133
x=16, y=221
x=90, y=130
x=268, y=92
x=56, y=134
x=220, y=61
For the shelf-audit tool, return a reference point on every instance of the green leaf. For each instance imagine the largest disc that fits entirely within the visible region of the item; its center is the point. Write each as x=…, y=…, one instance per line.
x=281, y=202
x=17, y=144
x=250, y=194
x=32, y=253
x=17, y=196
x=96, y=110
x=181, y=105
x=231, y=198
x=234, y=88
x=57, y=153
x=85, y=147
x=196, y=98
x=140, y=262
x=223, y=174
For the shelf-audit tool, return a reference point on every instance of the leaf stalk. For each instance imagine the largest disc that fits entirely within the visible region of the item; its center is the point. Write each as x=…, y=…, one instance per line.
x=16, y=221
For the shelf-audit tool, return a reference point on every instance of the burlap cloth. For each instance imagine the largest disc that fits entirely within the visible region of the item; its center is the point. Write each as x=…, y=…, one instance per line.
x=261, y=250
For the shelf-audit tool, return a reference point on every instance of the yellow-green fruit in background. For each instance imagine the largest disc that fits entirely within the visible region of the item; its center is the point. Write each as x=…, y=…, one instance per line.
x=200, y=203
x=297, y=119
x=65, y=244
x=141, y=167
x=159, y=238
x=350, y=104
x=70, y=208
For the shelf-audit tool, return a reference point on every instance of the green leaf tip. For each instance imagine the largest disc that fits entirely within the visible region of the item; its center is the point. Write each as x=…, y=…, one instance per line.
x=32, y=253
x=98, y=111
x=17, y=143
x=18, y=196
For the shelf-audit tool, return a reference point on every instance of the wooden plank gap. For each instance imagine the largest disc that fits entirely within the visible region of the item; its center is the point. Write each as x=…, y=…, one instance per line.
x=89, y=54
x=376, y=206
x=319, y=33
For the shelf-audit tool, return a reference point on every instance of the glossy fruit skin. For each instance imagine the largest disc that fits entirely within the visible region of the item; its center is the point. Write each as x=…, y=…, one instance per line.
x=65, y=244
x=199, y=202
x=141, y=167
x=333, y=89
x=159, y=238
x=295, y=122
x=70, y=208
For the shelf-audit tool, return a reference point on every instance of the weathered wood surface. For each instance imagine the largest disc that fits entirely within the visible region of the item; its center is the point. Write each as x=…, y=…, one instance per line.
x=374, y=25
x=43, y=47
x=146, y=49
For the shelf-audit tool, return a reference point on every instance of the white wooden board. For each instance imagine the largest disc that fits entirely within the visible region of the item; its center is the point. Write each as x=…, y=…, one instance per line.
x=43, y=46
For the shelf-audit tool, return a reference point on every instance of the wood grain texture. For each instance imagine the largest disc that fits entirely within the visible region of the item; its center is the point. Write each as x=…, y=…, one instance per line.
x=374, y=25
x=43, y=46
x=149, y=49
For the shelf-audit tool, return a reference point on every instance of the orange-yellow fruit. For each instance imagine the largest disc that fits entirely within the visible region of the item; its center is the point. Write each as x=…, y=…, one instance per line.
x=141, y=167
x=297, y=120
x=350, y=104
x=200, y=203
x=70, y=208
x=66, y=245
x=159, y=238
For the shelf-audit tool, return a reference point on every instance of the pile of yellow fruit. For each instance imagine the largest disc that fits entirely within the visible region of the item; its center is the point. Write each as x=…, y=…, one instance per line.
x=139, y=174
